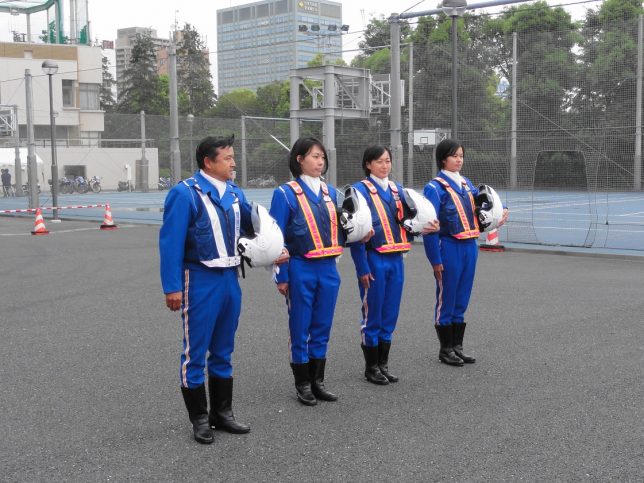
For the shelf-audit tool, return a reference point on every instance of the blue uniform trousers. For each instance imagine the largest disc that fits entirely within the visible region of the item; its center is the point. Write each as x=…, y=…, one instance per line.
x=210, y=313
x=453, y=293
x=313, y=291
x=381, y=301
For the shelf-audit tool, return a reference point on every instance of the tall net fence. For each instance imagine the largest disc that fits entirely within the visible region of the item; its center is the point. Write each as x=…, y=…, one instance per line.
x=576, y=180
x=571, y=179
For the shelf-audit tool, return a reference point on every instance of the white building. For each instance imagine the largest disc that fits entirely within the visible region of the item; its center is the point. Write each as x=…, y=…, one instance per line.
x=79, y=119
x=76, y=88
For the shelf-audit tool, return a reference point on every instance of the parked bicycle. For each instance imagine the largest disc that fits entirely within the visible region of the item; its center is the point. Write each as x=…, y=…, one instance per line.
x=65, y=185
x=95, y=184
x=125, y=186
x=81, y=185
x=165, y=183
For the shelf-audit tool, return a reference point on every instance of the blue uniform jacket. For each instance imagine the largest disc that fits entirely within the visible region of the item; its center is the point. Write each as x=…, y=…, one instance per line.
x=287, y=212
x=447, y=215
x=358, y=250
x=186, y=235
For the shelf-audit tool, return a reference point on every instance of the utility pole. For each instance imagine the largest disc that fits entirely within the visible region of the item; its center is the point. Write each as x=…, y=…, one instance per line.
x=394, y=101
x=244, y=161
x=144, y=160
x=17, y=179
x=32, y=169
x=410, y=123
x=329, y=123
x=175, y=154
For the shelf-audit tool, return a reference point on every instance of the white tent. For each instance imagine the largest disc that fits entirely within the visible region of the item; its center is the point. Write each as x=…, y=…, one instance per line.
x=8, y=161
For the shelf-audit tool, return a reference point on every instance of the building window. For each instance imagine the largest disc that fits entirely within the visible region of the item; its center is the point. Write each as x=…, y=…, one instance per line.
x=89, y=97
x=68, y=93
x=90, y=138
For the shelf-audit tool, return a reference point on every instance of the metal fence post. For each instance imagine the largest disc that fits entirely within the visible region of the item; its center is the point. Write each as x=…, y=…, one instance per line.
x=637, y=168
x=513, y=142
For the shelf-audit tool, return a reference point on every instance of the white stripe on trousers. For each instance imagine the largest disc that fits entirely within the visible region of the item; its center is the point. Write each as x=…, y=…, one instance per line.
x=186, y=331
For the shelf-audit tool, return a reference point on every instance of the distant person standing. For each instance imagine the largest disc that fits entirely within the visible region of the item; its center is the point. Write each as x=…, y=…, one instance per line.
x=6, y=183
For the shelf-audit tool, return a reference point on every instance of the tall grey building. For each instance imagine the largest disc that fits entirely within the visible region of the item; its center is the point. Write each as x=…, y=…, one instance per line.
x=125, y=40
x=259, y=42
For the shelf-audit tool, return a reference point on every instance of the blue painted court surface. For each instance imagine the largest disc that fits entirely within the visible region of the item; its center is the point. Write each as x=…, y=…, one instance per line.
x=595, y=220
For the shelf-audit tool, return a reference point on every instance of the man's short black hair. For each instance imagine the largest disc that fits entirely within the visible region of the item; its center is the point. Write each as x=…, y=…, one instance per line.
x=301, y=148
x=208, y=148
x=446, y=148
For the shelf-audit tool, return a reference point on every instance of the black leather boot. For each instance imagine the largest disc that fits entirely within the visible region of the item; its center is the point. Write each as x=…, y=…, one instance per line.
x=383, y=361
x=221, y=412
x=197, y=407
x=316, y=372
x=371, y=370
x=458, y=330
x=446, y=353
x=303, y=384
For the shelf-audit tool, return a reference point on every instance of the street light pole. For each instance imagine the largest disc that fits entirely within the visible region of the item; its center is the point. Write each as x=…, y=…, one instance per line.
x=50, y=68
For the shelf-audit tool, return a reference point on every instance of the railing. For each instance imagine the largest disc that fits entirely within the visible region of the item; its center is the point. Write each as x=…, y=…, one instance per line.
x=97, y=143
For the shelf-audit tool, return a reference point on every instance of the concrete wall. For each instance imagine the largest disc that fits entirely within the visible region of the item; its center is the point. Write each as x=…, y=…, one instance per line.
x=108, y=163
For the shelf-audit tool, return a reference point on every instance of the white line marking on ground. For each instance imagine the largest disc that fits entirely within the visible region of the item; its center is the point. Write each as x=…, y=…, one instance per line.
x=66, y=231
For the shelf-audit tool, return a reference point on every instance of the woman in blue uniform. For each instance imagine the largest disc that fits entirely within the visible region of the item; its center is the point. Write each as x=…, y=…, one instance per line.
x=453, y=251
x=306, y=211
x=379, y=263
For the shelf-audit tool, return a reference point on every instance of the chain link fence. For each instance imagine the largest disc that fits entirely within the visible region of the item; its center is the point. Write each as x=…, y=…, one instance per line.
x=573, y=180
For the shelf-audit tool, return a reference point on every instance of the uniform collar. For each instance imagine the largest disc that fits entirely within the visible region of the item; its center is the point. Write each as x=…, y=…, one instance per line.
x=382, y=182
x=219, y=185
x=312, y=183
x=455, y=178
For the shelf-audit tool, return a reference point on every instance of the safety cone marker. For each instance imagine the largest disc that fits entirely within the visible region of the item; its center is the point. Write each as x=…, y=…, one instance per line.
x=492, y=242
x=39, y=224
x=108, y=223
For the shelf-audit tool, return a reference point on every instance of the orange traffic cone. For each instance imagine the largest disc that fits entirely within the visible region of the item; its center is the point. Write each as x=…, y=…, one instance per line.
x=492, y=242
x=108, y=223
x=39, y=224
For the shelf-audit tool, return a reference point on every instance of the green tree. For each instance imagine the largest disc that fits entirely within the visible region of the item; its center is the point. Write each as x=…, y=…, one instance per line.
x=107, y=101
x=547, y=66
x=609, y=59
x=236, y=103
x=274, y=99
x=320, y=59
x=142, y=88
x=479, y=110
x=193, y=72
x=377, y=36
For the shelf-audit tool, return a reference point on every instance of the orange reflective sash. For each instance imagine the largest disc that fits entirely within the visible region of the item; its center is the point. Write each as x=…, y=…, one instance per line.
x=391, y=245
x=467, y=232
x=320, y=250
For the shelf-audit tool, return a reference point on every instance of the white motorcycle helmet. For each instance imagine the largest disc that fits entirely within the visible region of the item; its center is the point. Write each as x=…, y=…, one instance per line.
x=489, y=208
x=355, y=215
x=419, y=211
x=266, y=246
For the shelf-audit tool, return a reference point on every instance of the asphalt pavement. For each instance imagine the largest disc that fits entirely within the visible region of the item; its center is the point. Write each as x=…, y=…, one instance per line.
x=90, y=358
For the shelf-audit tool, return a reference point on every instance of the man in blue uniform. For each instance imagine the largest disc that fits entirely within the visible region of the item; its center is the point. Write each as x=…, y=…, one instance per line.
x=202, y=222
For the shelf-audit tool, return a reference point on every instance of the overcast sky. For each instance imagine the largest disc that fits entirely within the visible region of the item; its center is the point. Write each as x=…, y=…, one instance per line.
x=106, y=16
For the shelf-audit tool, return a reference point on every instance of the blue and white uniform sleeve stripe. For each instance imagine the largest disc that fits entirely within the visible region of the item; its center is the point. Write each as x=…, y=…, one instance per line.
x=172, y=239
x=431, y=241
x=281, y=212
